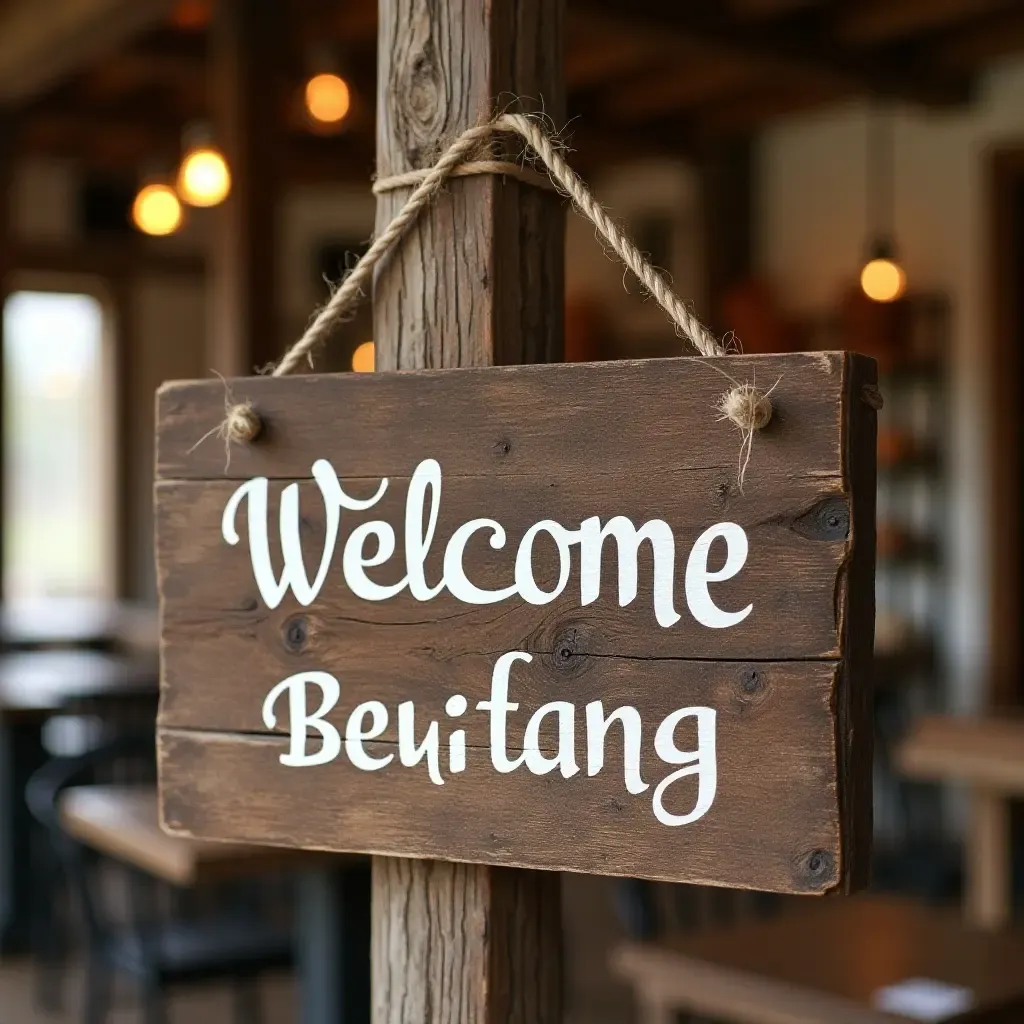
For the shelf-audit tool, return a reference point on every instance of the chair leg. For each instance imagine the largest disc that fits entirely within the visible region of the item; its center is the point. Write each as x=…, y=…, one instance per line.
x=248, y=1007
x=651, y=1011
x=98, y=980
x=49, y=938
x=154, y=1008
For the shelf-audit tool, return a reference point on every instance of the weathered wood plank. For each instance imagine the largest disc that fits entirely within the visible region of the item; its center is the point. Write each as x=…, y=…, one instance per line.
x=855, y=607
x=213, y=613
x=786, y=684
x=776, y=786
x=580, y=419
x=478, y=281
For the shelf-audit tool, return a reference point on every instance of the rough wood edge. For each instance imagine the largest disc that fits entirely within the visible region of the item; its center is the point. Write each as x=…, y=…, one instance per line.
x=818, y=868
x=854, y=717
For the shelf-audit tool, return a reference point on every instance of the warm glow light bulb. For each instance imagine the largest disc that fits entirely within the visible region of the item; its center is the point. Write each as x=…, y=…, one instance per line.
x=204, y=178
x=883, y=280
x=327, y=98
x=363, y=358
x=156, y=210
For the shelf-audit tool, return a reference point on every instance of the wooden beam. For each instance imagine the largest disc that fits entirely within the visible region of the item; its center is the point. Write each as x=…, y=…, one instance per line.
x=245, y=317
x=807, y=48
x=39, y=47
x=680, y=86
x=108, y=259
x=479, y=281
x=751, y=109
x=983, y=41
x=884, y=21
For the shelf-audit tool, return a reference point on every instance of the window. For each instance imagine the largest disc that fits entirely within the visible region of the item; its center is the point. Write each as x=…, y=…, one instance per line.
x=57, y=408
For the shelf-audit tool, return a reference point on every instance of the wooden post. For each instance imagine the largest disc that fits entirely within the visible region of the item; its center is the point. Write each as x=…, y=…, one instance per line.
x=479, y=281
x=244, y=311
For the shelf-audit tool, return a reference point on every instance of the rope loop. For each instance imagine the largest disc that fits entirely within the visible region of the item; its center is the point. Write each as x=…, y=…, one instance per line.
x=745, y=406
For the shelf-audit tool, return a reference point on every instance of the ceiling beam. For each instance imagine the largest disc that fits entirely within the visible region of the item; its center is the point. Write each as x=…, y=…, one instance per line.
x=42, y=43
x=800, y=44
x=677, y=88
x=885, y=21
x=982, y=41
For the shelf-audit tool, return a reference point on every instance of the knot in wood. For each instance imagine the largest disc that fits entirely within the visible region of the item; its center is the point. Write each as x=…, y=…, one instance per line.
x=241, y=424
x=747, y=407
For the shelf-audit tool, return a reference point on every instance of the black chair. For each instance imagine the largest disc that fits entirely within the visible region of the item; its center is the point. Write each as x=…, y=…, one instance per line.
x=156, y=949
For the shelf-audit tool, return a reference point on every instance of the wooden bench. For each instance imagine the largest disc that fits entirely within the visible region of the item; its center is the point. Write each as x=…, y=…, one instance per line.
x=827, y=962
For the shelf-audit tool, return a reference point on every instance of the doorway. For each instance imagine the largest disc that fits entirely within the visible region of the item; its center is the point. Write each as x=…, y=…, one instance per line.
x=58, y=401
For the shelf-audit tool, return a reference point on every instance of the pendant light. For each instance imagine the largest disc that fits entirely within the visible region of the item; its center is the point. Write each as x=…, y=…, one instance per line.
x=204, y=178
x=326, y=96
x=156, y=209
x=881, y=278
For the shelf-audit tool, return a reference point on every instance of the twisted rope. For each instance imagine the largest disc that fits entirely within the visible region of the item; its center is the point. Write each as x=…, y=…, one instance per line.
x=746, y=407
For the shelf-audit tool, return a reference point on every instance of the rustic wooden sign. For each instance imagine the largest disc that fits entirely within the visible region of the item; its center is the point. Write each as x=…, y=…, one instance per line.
x=526, y=616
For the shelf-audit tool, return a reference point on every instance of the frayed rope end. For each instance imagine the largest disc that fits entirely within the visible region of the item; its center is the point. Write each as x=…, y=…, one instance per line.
x=750, y=410
x=747, y=407
x=241, y=424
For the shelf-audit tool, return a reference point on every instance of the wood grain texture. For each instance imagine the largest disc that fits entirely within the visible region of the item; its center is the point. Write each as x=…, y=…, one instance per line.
x=478, y=281
x=488, y=930
x=578, y=419
x=789, y=683
x=776, y=768
x=856, y=609
x=790, y=577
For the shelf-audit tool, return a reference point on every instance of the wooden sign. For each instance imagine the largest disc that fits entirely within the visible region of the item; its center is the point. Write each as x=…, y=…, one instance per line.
x=526, y=616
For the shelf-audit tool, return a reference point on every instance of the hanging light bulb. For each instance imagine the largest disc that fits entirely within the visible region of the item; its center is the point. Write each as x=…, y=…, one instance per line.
x=882, y=279
x=156, y=210
x=204, y=178
x=328, y=98
x=363, y=360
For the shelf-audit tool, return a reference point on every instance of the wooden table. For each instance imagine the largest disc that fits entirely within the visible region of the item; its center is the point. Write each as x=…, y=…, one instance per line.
x=34, y=686
x=986, y=754
x=122, y=822
x=333, y=906
x=827, y=961
x=38, y=684
x=73, y=622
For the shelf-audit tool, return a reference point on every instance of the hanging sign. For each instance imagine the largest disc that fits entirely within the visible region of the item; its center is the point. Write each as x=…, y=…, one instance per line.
x=526, y=616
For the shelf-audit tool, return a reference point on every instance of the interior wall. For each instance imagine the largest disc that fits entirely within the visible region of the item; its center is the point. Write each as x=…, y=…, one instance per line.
x=810, y=241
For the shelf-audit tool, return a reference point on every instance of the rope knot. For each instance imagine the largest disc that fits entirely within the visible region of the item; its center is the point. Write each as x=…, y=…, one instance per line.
x=241, y=424
x=747, y=407
x=751, y=410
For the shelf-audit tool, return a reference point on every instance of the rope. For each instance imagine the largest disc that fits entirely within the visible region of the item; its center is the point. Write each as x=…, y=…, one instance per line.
x=746, y=407
x=502, y=168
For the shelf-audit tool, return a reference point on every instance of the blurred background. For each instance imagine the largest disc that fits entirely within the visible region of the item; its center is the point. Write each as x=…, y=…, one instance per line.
x=182, y=182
